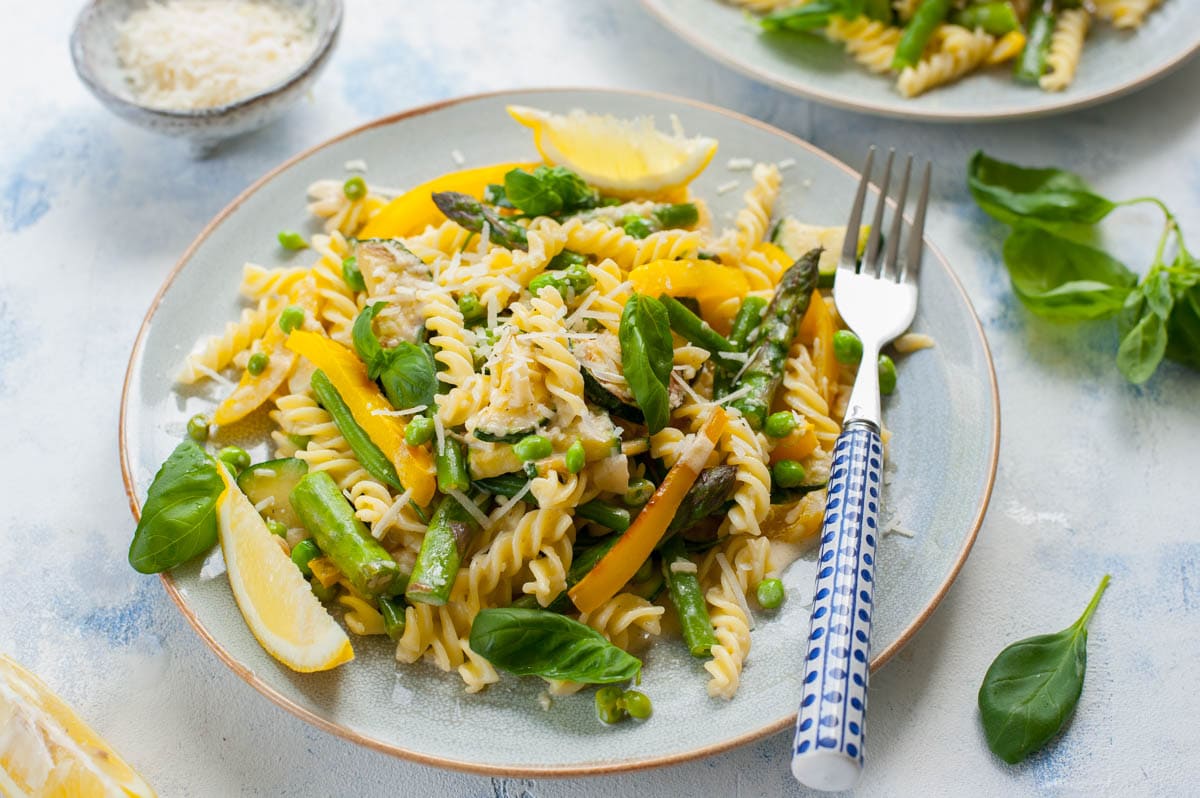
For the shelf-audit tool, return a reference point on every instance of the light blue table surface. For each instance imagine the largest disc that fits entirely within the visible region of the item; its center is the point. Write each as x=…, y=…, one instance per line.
x=1095, y=476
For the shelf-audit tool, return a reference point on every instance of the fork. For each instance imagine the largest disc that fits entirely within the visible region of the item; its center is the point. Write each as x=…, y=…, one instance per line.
x=877, y=301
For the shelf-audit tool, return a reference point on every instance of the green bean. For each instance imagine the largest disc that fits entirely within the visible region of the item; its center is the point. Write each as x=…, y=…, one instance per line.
x=694, y=328
x=369, y=455
x=918, y=32
x=994, y=18
x=1031, y=64
x=566, y=258
x=688, y=598
x=393, y=617
x=452, y=467
x=747, y=320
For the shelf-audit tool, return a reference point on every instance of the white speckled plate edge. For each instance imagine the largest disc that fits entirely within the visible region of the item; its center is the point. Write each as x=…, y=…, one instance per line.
x=404, y=711
x=1114, y=64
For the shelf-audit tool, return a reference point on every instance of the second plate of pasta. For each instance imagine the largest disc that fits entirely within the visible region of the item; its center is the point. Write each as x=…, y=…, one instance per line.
x=459, y=396
x=967, y=65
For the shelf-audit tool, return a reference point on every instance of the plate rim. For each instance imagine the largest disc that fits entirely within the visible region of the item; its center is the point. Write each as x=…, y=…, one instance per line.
x=555, y=771
x=1098, y=97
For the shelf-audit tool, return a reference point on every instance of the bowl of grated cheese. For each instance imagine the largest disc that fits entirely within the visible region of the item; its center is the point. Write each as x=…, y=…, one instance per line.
x=203, y=70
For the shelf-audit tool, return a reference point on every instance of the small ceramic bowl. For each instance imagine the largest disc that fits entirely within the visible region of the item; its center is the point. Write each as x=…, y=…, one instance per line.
x=94, y=51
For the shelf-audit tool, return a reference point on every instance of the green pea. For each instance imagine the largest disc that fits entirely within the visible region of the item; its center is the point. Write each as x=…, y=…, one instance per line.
x=637, y=704
x=769, y=593
x=636, y=226
x=235, y=457
x=547, y=279
x=685, y=214
x=323, y=593
x=291, y=318
x=787, y=473
x=303, y=553
x=533, y=447
x=780, y=425
x=887, y=375
x=352, y=276
x=257, y=363
x=276, y=527
x=471, y=308
x=355, y=188
x=576, y=457
x=197, y=428
x=290, y=239
x=639, y=492
x=608, y=704
x=847, y=347
x=419, y=431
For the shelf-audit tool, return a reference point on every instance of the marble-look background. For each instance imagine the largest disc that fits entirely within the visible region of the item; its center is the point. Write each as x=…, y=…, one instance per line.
x=1095, y=476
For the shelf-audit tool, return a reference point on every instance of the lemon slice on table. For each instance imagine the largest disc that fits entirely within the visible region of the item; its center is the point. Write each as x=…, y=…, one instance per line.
x=621, y=157
x=274, y=597
x=46, y=750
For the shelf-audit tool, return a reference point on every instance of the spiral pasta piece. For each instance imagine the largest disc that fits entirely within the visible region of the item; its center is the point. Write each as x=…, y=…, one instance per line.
x=542, y=320
x=747, y=451
x=961, y=52
x=490, y=572
x=448, y=336
x=219, y=351
x=1125, y=13
x=624, y=615
x=751, y=222
x=259, y=281
x=1066, y=48
x=328, y=201
x=339, y=304
x=871, y=43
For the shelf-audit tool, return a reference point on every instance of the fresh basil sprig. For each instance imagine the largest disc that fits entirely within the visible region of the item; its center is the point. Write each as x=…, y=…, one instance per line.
x=647, y=355
x=1033, y=686
x=407, y=371
x=547, y=190
x=179, y=518
x=1060, y=278
x=529, y=642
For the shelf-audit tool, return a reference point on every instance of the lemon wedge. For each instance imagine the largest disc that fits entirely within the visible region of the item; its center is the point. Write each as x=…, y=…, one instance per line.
x=621, y=157
x=274, y=597
x=47, y=751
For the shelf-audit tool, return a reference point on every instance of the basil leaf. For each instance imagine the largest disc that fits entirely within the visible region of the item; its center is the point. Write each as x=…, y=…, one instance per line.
x=1157, y=290
x=1064, y=280
x=530, y=642
x=179, y=518
x=1046, y=197
x=547, y=190
x=1143, y=348
x=530, y=194
x=647, y=354
x=1183, y=328
x=407, y=371
x=1033, y=686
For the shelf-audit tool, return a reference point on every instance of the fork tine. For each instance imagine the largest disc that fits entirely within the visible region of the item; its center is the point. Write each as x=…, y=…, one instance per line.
x=875, y=236
x=888, y=271
x=849, y=258
x=916, y=241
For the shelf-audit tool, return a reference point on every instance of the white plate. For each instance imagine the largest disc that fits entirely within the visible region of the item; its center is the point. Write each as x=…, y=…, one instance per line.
x=944, y=417
x=1114, y=63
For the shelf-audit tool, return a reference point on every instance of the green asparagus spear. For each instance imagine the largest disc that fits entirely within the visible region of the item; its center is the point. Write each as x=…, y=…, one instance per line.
x=688, y=598
x=707, y=495
x=329, y=518
x=372, y=459
x=996, y=18
x=393, y=617
x=808, y=17
x=918, y=31
x=471, y=214
x=509, y=485
x=748, y=317
x=694, y=328
x=773, y=339
x=452, y=467
x=1031, y=64
x=446, y=540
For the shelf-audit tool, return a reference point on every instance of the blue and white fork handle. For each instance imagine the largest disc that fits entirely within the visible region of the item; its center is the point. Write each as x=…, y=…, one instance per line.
x=828, y=752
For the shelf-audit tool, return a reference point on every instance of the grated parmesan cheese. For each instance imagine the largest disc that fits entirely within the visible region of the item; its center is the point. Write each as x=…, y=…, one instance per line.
x=265, y=504
x=390, y=515
x=683, y=567
x=458, y=158
x=725, y=188
x=184, y=56
x=733, y=586
x=740, y=164
x=786, y=163
x=356, y=165
x=470, y=506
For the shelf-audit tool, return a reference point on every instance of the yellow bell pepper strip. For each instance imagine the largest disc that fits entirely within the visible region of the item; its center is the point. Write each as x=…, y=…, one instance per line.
x=706, y=281
x=253, y=390
x=324, y=571
x=414, y=464
x=413, y=210
x=623, y=560
x=799, y=444
x=817, y=323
